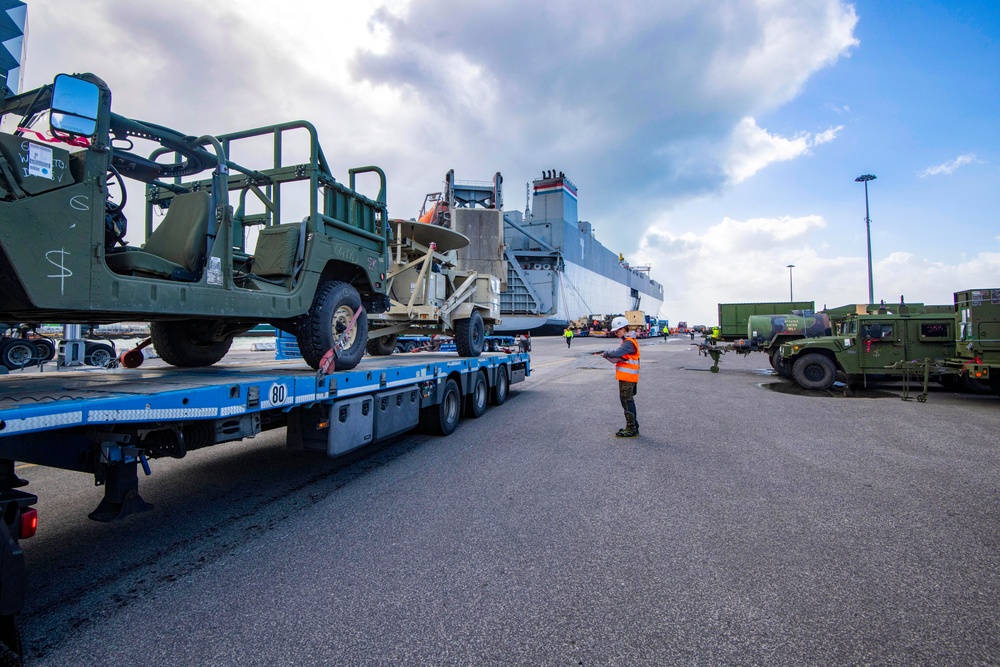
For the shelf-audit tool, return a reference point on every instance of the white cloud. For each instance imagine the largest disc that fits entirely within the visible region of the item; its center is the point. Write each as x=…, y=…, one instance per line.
x=752, y=148
x=951, y=166
x=735, y=261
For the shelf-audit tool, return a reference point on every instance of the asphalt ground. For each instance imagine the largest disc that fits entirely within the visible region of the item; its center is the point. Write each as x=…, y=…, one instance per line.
x=744, y=526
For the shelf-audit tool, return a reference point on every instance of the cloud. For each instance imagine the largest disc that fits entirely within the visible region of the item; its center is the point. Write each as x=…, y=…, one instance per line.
x=752, y=148
x=951, y=166
x=747, y=261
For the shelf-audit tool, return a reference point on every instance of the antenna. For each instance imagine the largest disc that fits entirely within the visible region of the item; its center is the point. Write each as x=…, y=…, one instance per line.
x=527, y=201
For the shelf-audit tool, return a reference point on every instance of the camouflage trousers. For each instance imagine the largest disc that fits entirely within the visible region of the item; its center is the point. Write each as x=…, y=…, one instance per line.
x=627, y=392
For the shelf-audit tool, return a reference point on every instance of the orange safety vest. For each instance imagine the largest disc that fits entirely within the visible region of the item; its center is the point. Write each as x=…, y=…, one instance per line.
x=627, y=368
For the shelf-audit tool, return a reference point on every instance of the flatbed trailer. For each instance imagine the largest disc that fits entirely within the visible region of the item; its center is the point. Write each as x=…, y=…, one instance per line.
x=111, y=423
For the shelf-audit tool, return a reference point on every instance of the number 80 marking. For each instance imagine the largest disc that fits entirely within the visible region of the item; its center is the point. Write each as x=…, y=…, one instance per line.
x=278, y=394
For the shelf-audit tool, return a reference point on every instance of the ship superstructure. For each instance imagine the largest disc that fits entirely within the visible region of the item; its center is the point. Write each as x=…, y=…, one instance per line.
x=558, y=271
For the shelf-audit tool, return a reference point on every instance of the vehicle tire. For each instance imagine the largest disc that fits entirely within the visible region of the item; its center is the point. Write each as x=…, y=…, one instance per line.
x=46, y=349
x=333, y=308
x=475, y=402
x=18, y=353
x=11, y=648
x=98, y=354
x=779, y=365
x=177, y=344
x=499, y=394
x=814, y=371
x=442, y=419
x=382, y=346
x=470, y=334
x=409, y=346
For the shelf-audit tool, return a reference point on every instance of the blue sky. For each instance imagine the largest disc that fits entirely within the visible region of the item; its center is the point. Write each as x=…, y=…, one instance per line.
x=717, y=141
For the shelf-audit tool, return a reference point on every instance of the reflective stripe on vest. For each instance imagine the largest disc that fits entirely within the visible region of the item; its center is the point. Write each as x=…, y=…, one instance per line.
x=628, y=368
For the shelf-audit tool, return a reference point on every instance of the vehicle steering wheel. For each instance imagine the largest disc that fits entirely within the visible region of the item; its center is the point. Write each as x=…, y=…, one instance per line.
x=115, y=178
x=194, y=158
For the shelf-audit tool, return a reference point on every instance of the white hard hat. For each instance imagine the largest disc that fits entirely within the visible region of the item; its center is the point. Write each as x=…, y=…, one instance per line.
x=618, y=323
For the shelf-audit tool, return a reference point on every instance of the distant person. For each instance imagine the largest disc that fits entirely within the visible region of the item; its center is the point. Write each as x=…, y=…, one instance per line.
x=666, y=331
x=625, y=357
x=692, y=334
x=568, y=335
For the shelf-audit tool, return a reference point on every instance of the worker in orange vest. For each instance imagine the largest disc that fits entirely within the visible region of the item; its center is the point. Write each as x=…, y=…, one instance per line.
x=626, y=360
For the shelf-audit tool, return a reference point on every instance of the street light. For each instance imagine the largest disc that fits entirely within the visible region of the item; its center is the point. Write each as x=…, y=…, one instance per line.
x=791, y=295
x=868, y=228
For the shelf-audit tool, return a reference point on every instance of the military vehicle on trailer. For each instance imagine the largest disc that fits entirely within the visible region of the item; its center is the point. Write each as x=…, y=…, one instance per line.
x=317, y=270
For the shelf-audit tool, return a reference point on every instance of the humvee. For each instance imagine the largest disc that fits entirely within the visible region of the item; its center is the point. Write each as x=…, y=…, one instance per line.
x=871, y=345
x=315, y=271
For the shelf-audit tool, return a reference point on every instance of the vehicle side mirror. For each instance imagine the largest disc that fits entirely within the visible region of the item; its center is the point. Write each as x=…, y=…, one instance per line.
x=74, y=106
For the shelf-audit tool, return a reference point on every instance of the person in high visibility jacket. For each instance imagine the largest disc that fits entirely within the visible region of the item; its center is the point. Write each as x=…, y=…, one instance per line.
x=568, y=335
x=625, y=357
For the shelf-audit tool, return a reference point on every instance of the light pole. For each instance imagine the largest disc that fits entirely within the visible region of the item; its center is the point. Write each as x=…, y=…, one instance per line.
x=791, y=294
x=868, y=228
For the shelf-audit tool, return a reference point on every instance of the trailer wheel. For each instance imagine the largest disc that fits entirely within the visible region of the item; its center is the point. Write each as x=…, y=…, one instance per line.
x=98, y=354
x=46, y=349
x=779, y=365
x=814, y=371
x=475, y=405
x=499, y=394
x=178, y=344
x=18, y=353
x=442, y=419
x=470, y=334
x=11, y=648
x=331, y=313
x=382, y=346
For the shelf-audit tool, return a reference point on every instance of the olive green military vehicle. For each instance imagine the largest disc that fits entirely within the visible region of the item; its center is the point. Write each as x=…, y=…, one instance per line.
x=872, y=345
x=317, y=268
x=977, y=348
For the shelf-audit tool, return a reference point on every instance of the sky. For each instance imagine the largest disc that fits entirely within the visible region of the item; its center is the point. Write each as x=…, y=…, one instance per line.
x=717, y=142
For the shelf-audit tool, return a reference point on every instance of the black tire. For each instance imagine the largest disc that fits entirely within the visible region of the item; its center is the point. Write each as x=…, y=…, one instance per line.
x=46, y=349
x=442, y=419
x=814, y=371
x=98, y=354
x=779, y=365
x=18, y=353
x=333, y=306
x=382, y=346
x=409, y=346
x=178, y=344
x=11, y=648
x=475, y=402
x=500, y=390
x=470, y=334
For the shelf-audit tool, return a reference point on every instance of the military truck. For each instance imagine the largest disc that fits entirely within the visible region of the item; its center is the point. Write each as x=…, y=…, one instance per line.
x=977, y=347
x=874, y=344
x=767, y=333
x=319, y=263
x=733, y=317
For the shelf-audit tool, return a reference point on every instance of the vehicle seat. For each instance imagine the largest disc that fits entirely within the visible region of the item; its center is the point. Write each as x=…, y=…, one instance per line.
x=176, y=248
x=278, y=253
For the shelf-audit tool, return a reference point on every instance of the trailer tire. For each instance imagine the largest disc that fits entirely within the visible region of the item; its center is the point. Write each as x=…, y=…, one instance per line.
x=98, y=354
x=46, y=349
x=334, y=304
x=382, y=346
x=18, y=353
x=470, y=334
x=11, y=647
x=499, y=394
x=475, y=402
x=814, y=371
x=175, y=344
x=442, y=419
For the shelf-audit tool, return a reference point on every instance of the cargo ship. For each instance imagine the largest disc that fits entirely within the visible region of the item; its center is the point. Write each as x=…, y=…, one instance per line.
x=559, y=272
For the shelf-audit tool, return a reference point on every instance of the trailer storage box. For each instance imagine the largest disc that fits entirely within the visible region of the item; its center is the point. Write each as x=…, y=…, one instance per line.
x=396, y=411
x=351, y=424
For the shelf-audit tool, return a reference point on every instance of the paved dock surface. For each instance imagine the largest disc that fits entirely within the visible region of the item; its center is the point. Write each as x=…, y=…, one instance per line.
x=745, y=526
